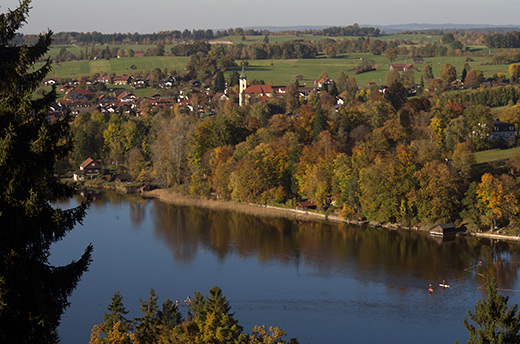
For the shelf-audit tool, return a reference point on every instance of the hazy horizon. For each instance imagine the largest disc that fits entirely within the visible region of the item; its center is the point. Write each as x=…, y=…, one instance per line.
x=109, y=16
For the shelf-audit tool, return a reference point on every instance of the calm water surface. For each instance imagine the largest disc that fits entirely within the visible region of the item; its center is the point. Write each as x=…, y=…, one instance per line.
x=320, y=282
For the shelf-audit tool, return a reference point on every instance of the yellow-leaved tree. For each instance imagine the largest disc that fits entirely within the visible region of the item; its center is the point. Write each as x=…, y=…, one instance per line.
x=497, y=200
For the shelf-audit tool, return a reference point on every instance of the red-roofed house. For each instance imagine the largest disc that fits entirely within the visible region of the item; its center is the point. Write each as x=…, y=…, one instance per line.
x=262, y=92
x=323, y=81
x=126, y=97
x=89, y=168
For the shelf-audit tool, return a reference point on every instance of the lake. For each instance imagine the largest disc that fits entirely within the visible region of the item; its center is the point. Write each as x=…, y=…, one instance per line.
x=319, y=281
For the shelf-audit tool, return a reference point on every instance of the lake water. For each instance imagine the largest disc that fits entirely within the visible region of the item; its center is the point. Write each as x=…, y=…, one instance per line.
x=320, y=282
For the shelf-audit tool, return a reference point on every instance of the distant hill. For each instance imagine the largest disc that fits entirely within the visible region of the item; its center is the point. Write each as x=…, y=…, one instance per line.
x=419, y=27
x=289, y=28
x=397, y=27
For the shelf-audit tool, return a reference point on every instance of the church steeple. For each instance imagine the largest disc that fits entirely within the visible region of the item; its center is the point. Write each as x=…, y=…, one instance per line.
x=242, y=81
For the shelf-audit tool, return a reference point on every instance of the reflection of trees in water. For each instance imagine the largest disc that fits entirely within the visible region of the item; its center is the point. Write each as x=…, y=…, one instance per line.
x=178, y=228
x=329, y=247
x=500, y=261
x=137, y=211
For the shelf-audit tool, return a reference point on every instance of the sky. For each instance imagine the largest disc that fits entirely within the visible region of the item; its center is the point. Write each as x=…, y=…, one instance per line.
x=147, y=16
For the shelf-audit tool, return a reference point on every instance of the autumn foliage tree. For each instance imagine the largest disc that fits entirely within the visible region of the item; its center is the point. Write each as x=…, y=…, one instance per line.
x=497, y=200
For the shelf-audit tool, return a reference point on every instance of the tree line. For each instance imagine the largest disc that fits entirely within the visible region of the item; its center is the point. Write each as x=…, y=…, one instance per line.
x=168, y=37
x=209, y=320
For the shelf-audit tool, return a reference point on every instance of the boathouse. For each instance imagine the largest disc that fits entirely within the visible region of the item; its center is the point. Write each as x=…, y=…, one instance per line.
x=443, y=229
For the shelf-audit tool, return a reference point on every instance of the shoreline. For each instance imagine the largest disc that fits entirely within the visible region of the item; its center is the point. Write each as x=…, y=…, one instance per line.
x=172, y=197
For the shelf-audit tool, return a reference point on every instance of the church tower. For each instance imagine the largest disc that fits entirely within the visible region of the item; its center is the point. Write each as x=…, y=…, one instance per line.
x=242, y=81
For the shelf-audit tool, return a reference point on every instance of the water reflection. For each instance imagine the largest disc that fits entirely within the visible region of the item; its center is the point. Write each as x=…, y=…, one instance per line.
x=332, y=248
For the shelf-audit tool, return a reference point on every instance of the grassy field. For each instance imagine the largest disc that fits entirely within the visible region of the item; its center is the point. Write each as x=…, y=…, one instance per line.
x=73, y=69
x=277, y=71
x=55, y=49
x=495, y=155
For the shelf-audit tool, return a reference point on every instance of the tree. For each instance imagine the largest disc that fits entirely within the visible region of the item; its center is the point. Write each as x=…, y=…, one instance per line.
x=234, y=78
x=392, y=77
x=497, y=198
x=448, y=73
x=447, y=38
x=219, y=84
x=495, y=321
x=397, y=95
x=427, y=73
x=319, y=122
x=437, y=195
x=341, y=81
x=473, y=78
x=147, y=329
x=117, y=313
x=33, y=294
x=292, y=102
x=514, y=72
x=391, y=54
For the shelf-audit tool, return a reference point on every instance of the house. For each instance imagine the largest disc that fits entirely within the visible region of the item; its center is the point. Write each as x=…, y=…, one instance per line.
x=74, y=104
x=305, y=205
x=50, y=82
x=78, y=94
x=418, y=59
x=163, y=102
x=322, y=82
x=443, y=229
x=126, y=97
x=402, y=67
x=262, y=92
x=122, y=79
x=141, y=82
x=503, y=131
x=105, y=79
x=89, y=168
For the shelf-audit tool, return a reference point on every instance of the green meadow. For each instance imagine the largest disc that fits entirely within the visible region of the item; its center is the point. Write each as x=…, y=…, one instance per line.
x=274, y=71
x=74, y=69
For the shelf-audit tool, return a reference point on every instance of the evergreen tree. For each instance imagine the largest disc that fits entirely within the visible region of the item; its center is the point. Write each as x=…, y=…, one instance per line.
x=427, y=73
x=333, y=89
x=117, y=313
x=219, y=84
x=495, y=321
x=169, y=316
x=319, y=122
x=33, y=294
x=217, y=303
x=147, y=329
x=234, y=78
x=292, y=101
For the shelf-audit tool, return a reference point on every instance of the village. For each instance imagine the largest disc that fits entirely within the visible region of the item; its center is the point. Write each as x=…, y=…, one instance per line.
x=109, y=94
